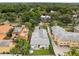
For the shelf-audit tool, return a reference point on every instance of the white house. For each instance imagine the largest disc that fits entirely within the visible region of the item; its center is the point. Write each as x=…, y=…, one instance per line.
x=64, y=38
x=45, y=18
x=39, y=39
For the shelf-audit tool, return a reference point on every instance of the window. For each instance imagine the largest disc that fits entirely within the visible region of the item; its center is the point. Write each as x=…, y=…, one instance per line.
x=38, y=46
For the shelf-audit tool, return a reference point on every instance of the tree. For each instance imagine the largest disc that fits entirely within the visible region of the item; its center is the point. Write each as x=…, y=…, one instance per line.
x=66, y=19
x=10, y=17
x=73, y=52
x=22, y=47
x=9, y=34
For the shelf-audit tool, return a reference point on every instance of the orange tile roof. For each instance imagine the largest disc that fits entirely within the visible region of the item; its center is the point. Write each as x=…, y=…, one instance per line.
x=2, y=36
x=5, y=28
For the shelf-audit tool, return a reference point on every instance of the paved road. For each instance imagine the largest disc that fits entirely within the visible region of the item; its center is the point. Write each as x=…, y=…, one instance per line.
x=57, y=49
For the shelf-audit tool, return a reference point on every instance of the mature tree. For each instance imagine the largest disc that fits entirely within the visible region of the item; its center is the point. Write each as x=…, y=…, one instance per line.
x=73, y=52
x=22, y=47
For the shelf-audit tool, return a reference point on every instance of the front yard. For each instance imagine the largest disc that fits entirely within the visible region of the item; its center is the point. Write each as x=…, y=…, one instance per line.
x=41, y=52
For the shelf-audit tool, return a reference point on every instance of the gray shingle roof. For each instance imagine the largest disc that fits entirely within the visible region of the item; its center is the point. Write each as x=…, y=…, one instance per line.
x=5, y=42
x=17, y=29
x=58, y=31
x=39, y=36
x=62, y=34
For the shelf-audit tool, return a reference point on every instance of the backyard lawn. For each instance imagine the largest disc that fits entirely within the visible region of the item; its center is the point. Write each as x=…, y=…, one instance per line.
x=41, y=52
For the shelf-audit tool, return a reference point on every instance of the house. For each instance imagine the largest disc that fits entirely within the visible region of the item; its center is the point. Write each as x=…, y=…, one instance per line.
x=64, y=38
x=75, y=18
x=39, y=39
x=6, y=45
x=21, y=32
x=52, y=11
x=45, y=18
x=4, y=29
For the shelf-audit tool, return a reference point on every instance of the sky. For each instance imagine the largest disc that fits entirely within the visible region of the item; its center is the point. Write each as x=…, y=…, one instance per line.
x=63, y=1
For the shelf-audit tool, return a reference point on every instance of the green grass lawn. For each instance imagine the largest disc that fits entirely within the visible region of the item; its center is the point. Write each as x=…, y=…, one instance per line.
x=41, y=52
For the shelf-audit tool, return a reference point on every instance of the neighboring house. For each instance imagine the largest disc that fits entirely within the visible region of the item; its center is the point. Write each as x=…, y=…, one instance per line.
x=45, y=18
x=53, y=12
x=39, y=39
x=6, y=45
x=4, y=29
x=21, y=32
x=76, y=18
x=63, y=38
